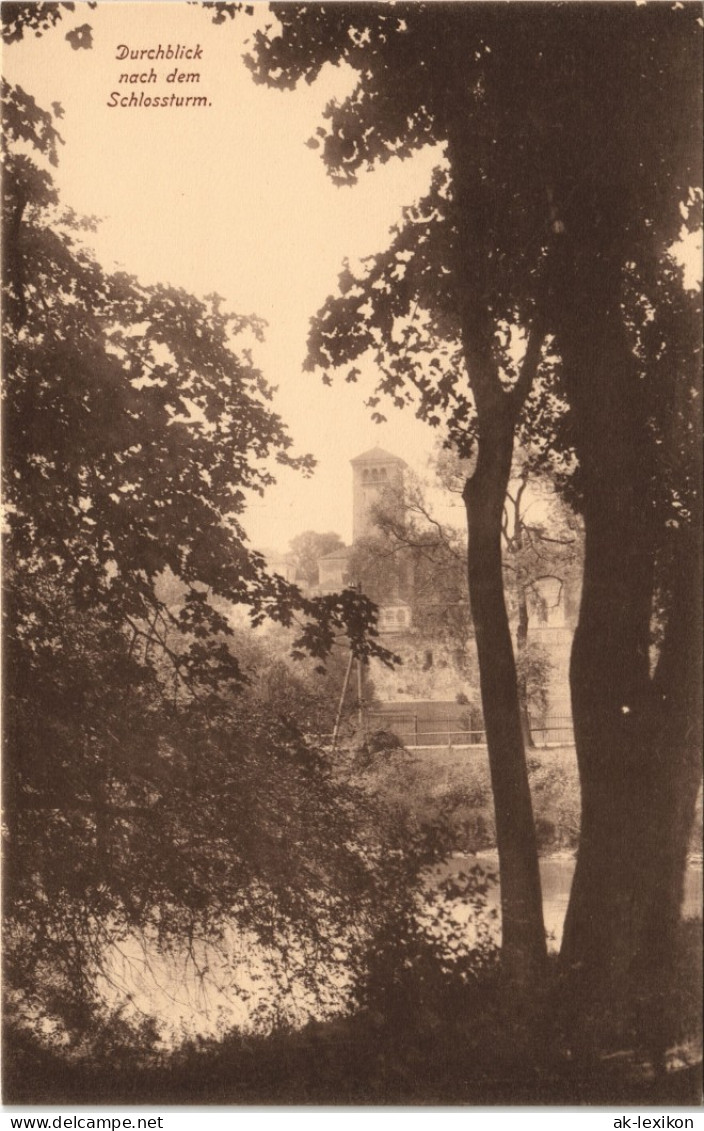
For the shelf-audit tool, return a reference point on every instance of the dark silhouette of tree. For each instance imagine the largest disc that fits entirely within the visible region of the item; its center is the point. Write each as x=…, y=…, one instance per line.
x=571, y=142
x=405, y=353
x=145, y=791
x=25, y=16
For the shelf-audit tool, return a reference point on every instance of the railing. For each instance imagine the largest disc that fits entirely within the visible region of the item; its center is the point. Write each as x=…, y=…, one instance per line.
x=553, y=730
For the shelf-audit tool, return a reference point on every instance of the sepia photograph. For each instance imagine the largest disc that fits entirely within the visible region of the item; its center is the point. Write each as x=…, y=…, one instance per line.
x=352, y=554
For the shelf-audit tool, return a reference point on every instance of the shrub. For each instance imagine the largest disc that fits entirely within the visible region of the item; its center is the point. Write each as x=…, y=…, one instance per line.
x=380, y=740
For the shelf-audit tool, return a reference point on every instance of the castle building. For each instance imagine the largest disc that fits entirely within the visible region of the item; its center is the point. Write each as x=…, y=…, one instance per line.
x=552, y=628
x=333, y=570
x=429, y=669
x=373, y=473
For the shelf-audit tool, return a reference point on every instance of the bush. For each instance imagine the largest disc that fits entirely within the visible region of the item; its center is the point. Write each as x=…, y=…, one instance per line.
x=381, y=740
x=429, y=956
x=556, y=802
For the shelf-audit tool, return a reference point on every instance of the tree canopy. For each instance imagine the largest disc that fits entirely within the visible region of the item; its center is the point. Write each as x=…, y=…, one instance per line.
x=568, y=139
x=145, y=792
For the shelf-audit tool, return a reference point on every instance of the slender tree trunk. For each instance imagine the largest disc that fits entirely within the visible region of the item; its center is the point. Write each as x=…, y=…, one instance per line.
x=524, y=949
x=523, y=932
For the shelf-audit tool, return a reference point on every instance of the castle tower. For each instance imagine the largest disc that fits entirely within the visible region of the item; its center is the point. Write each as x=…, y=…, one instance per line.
x=373, y=473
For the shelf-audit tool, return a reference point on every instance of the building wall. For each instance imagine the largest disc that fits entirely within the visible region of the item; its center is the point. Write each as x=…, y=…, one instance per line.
x=371, y=479
x=429, y=670
x=557, y=642
x=333, y=573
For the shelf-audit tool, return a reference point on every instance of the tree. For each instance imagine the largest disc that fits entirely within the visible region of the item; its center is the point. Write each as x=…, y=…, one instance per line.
x=571, y=140
x=415, y=561
x=26, y=15
x=308, y=548
x=484, y=419
x=145, y=792
x=95, y=410
x=536, y=550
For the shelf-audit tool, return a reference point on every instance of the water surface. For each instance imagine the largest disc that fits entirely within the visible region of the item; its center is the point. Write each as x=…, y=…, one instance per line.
x=556, y=879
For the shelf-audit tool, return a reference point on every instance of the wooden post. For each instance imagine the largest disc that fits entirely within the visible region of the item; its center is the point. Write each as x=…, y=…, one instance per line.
x=345, y=685
x=360, y=698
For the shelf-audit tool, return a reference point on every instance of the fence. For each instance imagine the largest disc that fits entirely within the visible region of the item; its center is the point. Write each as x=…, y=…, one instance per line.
x=414, y=730
x=554, y=730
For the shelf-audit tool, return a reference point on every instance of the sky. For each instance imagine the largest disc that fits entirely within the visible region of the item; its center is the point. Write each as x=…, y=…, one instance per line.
x=229, y=198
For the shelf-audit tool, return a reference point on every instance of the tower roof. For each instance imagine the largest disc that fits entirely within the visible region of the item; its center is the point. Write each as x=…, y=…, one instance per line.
x=336, y=555
x=377, y=455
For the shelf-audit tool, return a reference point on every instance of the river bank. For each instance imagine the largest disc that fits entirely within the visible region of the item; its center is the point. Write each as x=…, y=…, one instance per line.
x=458, y=1030
x=453, y=786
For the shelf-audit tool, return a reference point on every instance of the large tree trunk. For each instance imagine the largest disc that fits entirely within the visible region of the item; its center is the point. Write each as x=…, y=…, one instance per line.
x=523, y=932
x=636, y=733
x=640, y=773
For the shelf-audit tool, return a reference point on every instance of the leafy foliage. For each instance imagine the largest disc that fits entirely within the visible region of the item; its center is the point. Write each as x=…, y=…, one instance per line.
x=555, y=142
x=22, y=17
x=147, y=795
x=524, y=78
x=137, y=430
x=300, y=692
x=573, y=162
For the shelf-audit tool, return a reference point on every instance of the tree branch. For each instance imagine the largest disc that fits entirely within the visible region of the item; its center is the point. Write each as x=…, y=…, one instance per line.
x=529, y=366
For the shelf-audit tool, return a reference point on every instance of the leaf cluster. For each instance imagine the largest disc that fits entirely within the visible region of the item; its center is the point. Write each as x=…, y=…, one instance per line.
x=20, y=17
x=147, y=795
x=566, y=129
